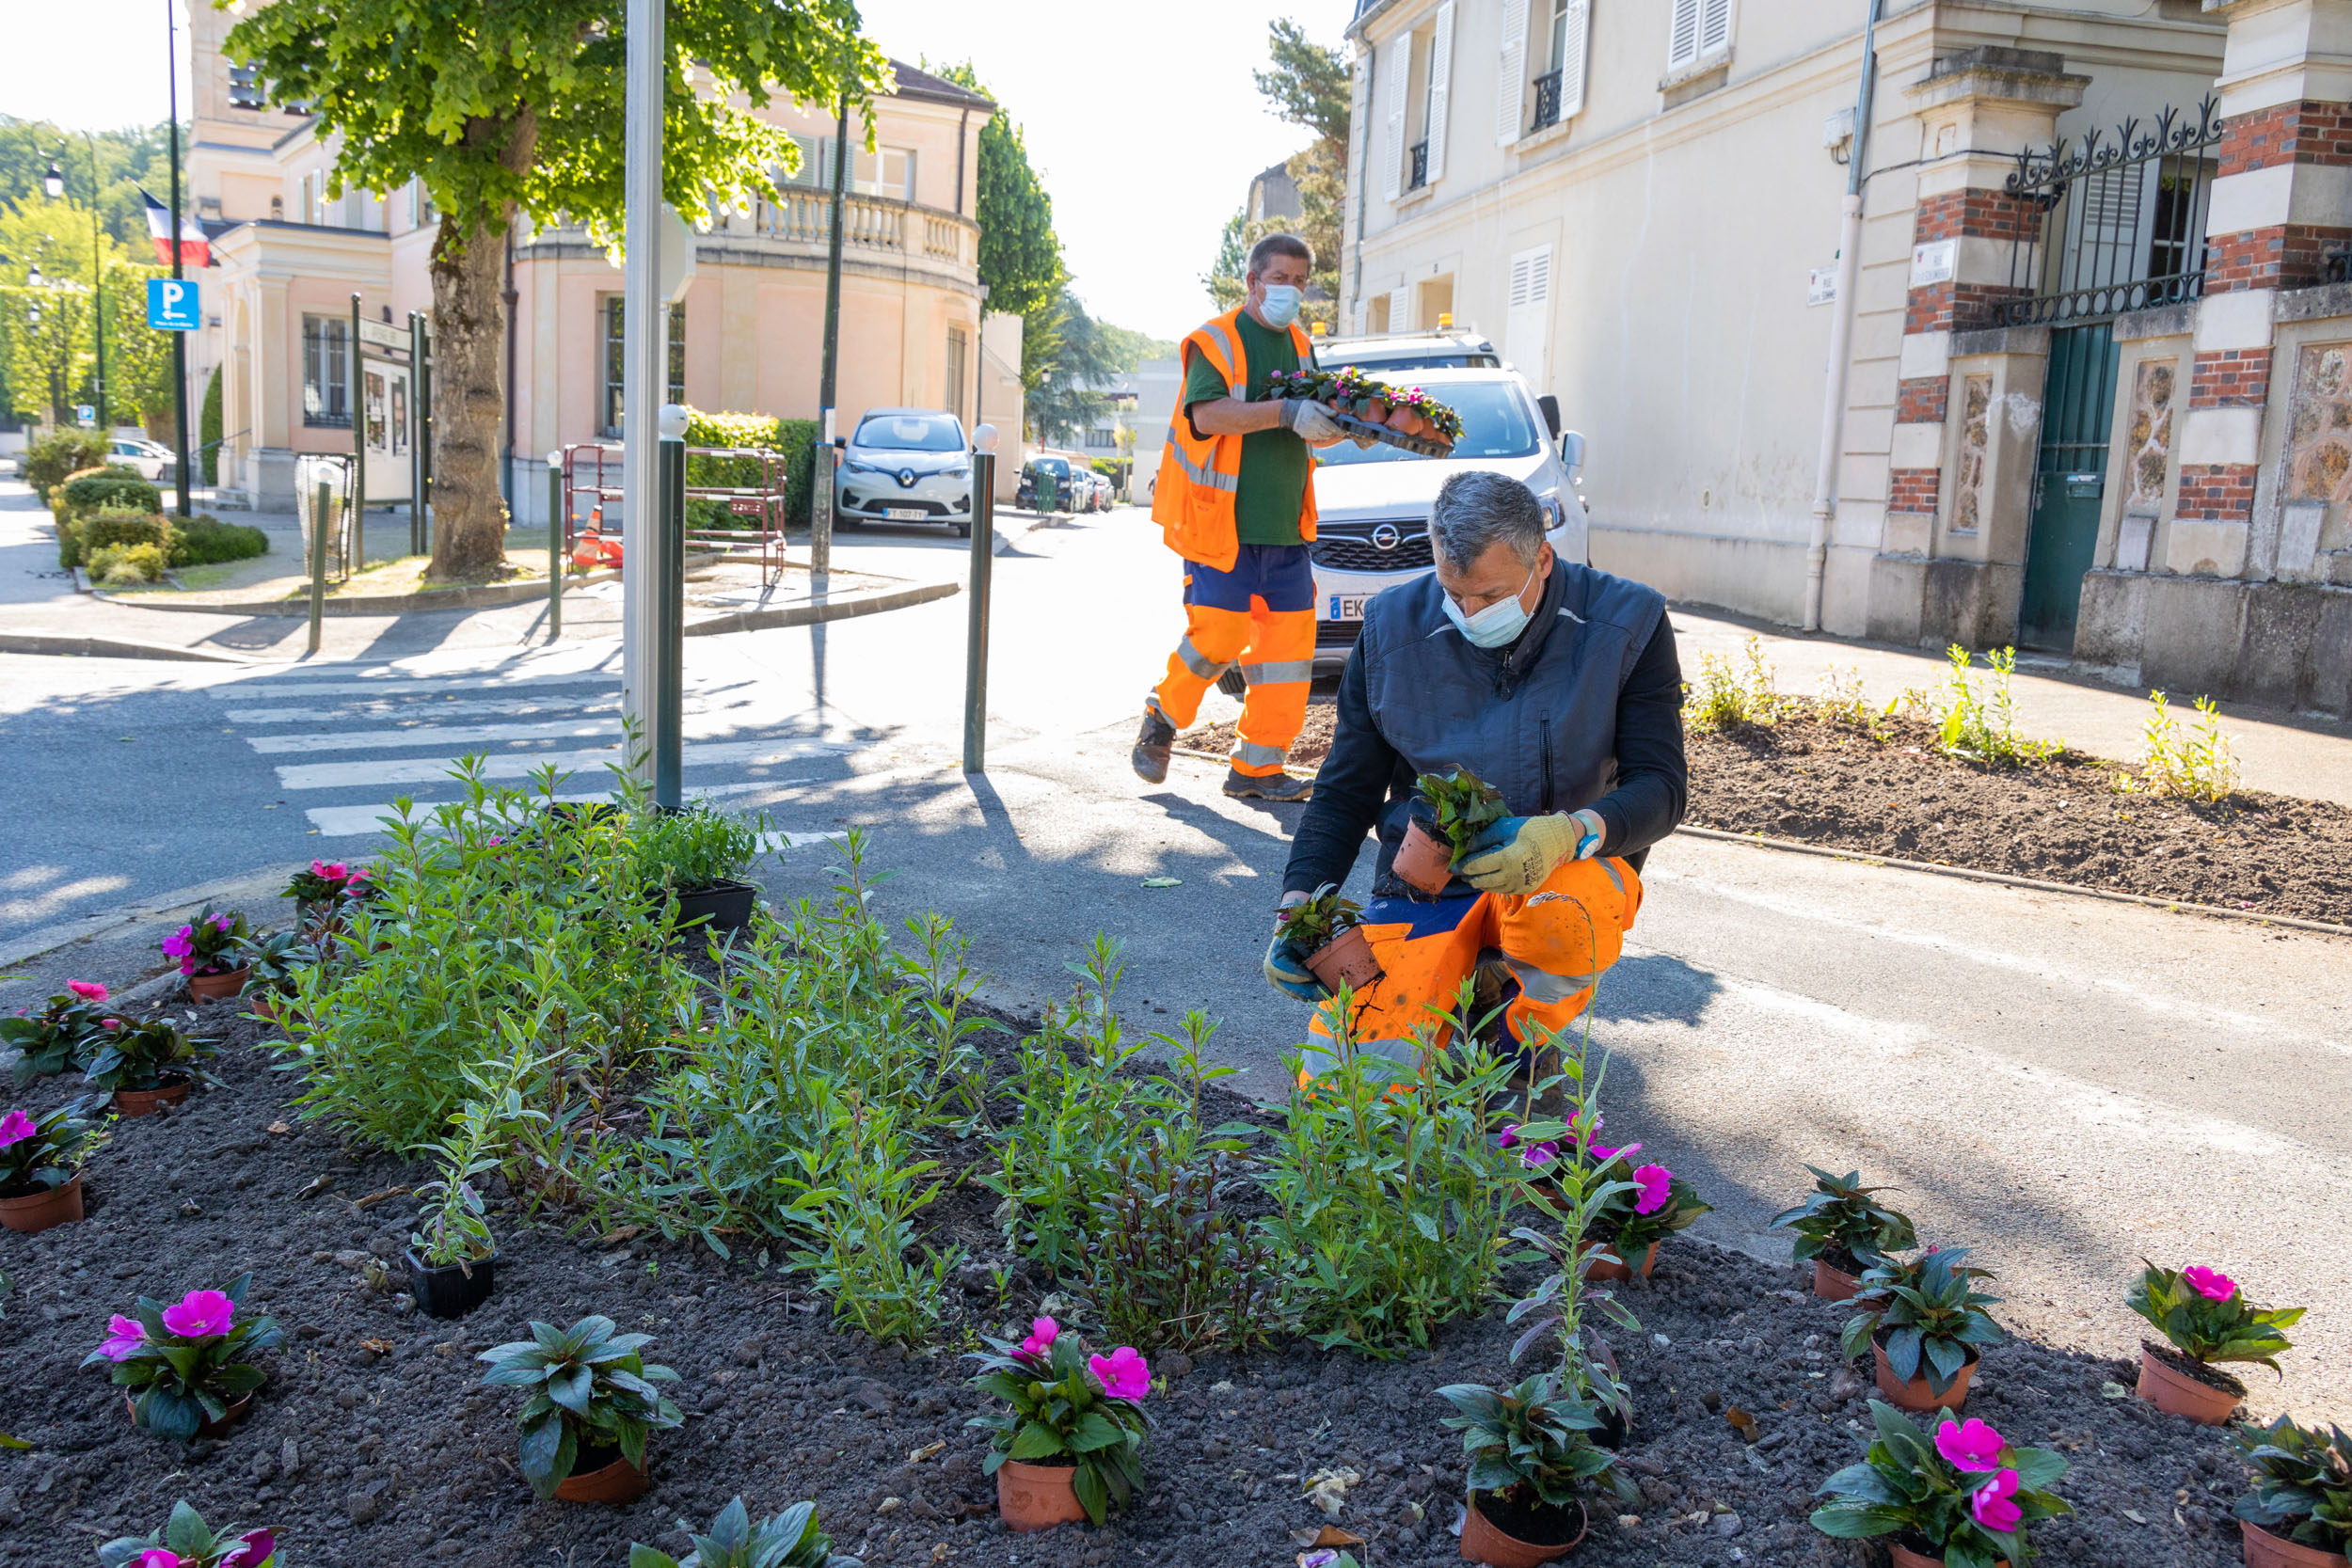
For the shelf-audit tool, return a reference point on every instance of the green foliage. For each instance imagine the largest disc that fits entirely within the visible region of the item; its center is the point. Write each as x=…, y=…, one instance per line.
x=1985, y=731
x=589, y=1392
x=183, y=1382
x=1173, y=1266
x=697, y=847
x=142, y=1055
x=272, y=960
x=138, y=357
x=2207, y=1330
x=208, y=542
x=54, y=1039
x=1057, y=1411
x=1322, y=918
x=1904, y=1485
x=1078, y=357
x=124, y=565
x=1461, y=805
x=1532, y=1443
x=790, y=1539
x=210, y=428
x=2302, y=1483
x=192, y=1543
x=1731, y=697
x=452, y=1225
x=1020, y=259
x=113, y=524
x=52, y=1153
x=1308, y=84
x=1224, y=278
x=2198, y=767
x=793, y=440
x=113, y=488
x=1927, y=1313
x=125, y=159
x=1840, y=1223
x=1630, y=1232
x=49, y=458
x=865, y=1223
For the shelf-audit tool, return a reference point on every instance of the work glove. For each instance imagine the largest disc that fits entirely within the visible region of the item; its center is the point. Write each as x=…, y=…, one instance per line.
x=1309, y=420
x=1518, y=854
x=1286, y=968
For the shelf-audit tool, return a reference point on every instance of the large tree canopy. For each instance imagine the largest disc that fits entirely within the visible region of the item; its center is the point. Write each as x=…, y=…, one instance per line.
x=135, y=156
x=1089, y=354
x=512, y=108
x=1021, y=259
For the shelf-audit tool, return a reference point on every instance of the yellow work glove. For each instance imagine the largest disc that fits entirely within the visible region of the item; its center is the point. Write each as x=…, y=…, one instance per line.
x=1518, y=854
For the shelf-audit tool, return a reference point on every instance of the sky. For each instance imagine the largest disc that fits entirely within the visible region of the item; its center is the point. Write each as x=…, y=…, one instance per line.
x=1143, y=119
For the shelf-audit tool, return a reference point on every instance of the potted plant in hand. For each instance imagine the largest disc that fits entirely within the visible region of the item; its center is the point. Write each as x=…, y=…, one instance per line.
x=593, y=1403
x=1923, y=1321
x=1532, y=1463
x=145, y=1065
x=1068, y=1445
x=1452, y=809
x=1959, y=1493
x=185, y=1361
x=1842, y=1231
x=184, y=1541
x=2207, y=1319
x=790, y=1539
x=40, y=1164
x=1329, y=930
x=271, y=960
x=206, y=949
x=2298, y=1511
x=698, y=856
x=1651, y=1203
x=57, y=1037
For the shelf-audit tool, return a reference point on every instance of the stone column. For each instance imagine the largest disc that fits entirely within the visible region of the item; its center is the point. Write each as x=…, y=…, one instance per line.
x=1944, y=571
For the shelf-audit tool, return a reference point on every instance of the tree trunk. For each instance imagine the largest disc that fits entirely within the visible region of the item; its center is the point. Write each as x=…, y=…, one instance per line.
x=468, y=375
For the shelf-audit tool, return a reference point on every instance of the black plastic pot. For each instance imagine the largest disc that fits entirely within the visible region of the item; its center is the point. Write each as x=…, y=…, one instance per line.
x=449, y=1292
x=726, y=907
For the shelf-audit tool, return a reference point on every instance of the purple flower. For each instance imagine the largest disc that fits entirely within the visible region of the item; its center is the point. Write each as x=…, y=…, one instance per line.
x=1603, y=1153
x=1655, y=1183
x=253, y=1548
x=201, y=1314
x=1123, y=1374
x=1042, y=1332
x=1510, y=1137
x=1538, y=1154
x=15, y=1127
x=159, y=1556
x=1992, y=1507
x=124, y=1335
x=181, y=942
x=1971, y=1445
x=89, y=991
x=2210, y=1283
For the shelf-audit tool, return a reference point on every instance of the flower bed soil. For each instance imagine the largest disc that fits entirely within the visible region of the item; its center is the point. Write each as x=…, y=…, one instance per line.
x=1832, y=785
x=374, y=1443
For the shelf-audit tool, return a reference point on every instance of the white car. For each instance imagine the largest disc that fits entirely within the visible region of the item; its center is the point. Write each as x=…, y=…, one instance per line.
x=152, y=459
x=1445, y=348
x=905, y=465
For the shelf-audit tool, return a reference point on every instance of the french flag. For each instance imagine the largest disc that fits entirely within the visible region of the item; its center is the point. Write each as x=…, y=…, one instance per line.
x=195, y=249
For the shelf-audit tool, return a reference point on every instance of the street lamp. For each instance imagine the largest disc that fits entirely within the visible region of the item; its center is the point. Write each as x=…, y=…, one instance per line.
x=33, y=279
x=53, y=181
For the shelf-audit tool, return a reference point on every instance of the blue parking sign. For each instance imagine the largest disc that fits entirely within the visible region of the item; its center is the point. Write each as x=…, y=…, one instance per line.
x=172, y=305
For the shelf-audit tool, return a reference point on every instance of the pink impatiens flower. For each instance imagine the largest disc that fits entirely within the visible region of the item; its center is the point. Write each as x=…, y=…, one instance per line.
x=1510, y=1138
x=1536, y=1155
x=201, y=1313
x=1603, y=1153
x=2210, y=1283
x=1042, y=1332
x=1123, y=1374
x=1654, y=1181
x=180, y=945
x=330, y=871
x=15, y=1127
x=124, y=1335
x=253, y=1548
x=89, y=991
x=1971, y=1445
x=158, y=1557
x=1991, y=1506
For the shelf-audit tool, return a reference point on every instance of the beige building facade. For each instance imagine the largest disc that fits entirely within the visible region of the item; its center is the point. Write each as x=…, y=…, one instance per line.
x=2094, y=350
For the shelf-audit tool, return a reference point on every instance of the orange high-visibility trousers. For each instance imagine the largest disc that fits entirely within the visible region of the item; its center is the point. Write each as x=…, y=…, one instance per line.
x=1262, y=616
x=1556, y=942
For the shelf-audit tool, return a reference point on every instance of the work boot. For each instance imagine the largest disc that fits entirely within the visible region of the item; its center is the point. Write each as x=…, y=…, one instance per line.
x=1270, y=787
x=1151, y=743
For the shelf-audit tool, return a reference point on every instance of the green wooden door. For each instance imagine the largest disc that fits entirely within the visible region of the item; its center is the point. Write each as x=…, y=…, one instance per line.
x=2070, y=479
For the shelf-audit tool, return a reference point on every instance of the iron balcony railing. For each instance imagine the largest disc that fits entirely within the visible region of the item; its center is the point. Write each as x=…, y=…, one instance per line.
x=1547, y=100
x=2106, y=226
x=1421, y=166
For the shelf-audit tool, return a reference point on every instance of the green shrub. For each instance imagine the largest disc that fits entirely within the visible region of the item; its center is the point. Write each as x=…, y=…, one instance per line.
x=48, y=461
x=697, y=847
x=211, y=428
x=110, y=526
x=795, y=439
x=207, y=541
x=126, y=565
x=115, y=490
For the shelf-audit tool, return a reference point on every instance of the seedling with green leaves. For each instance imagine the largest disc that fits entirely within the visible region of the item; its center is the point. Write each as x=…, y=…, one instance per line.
x=1461, y=805
x=2208, y=1318
x=1930, y=1312
x=789, y=1540
x=1319, y=921
x=1841, y=1224
x=186, y=1540
x=1065, y=1407
x=589, y=1393
x=141, y=1056
x=2302, y=1483
x=1532, y=1443
x=1955, y=1490
x=58, y=1038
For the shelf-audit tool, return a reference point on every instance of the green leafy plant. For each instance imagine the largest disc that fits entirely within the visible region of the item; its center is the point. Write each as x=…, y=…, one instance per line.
x=453, y=1226
x=2208, y=1318
x=208, y=541
x=1460, y=804
x=1174, y=1267
x=112, y=525
x=48, y=459
x=1322, y=918
x=45, y=1151
x=273, y=958
x=1985, y=731
x=789, y=1540
x=208, y=943
x=1650, y=1204
x=143, y=1055
x=1065, y=1406
x=121, y=565
x=187, y=1542
x=1840, y=1223
x=1959, y=1491
x=2197, y=767
x=869, y=1262
x=590, y=1395
x=1926, y=1313
x=1730, y=696
x=57, y=1038
x=1532, y=1444
x=2302, y=1483
x=187, y=1360
x=697, y=847
x=113, y=487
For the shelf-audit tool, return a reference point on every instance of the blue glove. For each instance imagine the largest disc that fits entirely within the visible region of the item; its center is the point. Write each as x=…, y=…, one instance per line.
x=1286, y=969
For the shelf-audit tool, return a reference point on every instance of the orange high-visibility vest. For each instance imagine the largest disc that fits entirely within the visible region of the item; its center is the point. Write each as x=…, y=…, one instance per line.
x=1200, y=475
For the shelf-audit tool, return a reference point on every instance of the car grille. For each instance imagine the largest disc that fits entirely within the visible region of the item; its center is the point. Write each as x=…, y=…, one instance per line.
x=1354, y=551
x=856, y=502
x=1337, y=634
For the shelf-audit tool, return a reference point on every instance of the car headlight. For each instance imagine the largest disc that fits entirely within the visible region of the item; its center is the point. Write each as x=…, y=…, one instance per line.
x=962, y=471
x=857, y=466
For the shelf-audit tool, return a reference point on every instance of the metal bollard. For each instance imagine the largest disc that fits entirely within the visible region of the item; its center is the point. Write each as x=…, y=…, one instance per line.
x=983, y=561
x=555, y=547
x=321, y=521
x=668, y=539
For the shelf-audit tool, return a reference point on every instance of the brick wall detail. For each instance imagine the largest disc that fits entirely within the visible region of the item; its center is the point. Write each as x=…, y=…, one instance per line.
x=1956, y=305
x=2308, y=131
x=2216, y=492
x=1912, y=489
x=1975, y=214
x=2284, y=255
x=2231, y=378
x=1922, y=400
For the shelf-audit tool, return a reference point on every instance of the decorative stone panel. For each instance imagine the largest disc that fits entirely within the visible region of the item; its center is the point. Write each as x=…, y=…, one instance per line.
x=1975, y=404
x=2148, y=443
x=2318, y=455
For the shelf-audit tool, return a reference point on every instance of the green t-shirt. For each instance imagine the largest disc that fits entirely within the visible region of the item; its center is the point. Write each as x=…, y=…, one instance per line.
x=1274, y=462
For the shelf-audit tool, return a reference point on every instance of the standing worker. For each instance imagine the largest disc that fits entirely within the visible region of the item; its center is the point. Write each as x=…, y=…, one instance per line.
x=1236, y=497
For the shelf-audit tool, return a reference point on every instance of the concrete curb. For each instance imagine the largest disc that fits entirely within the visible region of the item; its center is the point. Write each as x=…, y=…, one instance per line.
x=76, y=646
x=48, y=939
x=2171, y=906
x=842, y=609
x=488, y=595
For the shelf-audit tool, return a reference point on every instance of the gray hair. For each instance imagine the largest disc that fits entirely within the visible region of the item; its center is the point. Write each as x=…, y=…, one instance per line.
x=1280, y=244
x=1477, y=510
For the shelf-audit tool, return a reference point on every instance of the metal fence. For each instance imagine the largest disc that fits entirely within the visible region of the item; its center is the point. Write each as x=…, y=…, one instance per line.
x=1547, y=100
x=2111, y=224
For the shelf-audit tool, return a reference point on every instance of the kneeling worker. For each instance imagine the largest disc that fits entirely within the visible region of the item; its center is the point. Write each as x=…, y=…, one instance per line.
x=1557, y=684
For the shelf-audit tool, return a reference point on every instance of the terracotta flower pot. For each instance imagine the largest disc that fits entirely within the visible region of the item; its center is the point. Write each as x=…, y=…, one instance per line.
x=1373, y=409
x=1346, y=959
x=1603, y=1269
x=617, y=1482
x=211, y=988
x=1915, y=1395
x=38, y=1210
x=2266, y=1550
x=1484, y=1541
x=1037, y=1496
x=1831, y=1283
x=144, y=1103
x=1903, y=1557
x=2176, y=1393
x=1425, y=860
x=1401, y=419
x=203, y=1429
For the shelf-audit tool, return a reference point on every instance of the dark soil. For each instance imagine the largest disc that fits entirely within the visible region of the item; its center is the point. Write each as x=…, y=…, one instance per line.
x=374, y=1443
x=2188, y=1366
x=2062, y=820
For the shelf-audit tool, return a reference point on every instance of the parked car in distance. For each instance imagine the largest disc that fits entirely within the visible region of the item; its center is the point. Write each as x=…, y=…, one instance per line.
x=152, y=459
x=905, y=465
x=1445, y=349
x=1057, y=483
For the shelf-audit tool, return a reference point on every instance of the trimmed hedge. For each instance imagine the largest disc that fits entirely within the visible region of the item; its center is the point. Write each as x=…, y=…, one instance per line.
x=112, y=489
x=49, y=461
x=795, y=439
x=181, y=541
x=208, y=541
x=110, y=526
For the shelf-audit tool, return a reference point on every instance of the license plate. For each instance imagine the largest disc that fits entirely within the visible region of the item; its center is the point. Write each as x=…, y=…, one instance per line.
x=1347, y=607
x=911, y=513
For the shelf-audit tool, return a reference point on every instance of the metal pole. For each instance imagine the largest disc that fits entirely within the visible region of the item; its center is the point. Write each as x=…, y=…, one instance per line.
x=643, y=381
x=358, y=448
x=820, y=517
x=555, y=546
x=1840, y=335
x=322, y=505
x=983, y=557
x=181, y=435
x=416, y=436
x=98, y=284
x=424, y=432
x=669, y=539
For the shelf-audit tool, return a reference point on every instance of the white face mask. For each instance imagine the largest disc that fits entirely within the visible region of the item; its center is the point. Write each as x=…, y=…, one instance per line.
x=1500, y=622
x=1280, y=306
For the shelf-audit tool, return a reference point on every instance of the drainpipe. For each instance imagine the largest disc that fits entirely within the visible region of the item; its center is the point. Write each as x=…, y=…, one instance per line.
x=1840, y=334
x=1364, y=184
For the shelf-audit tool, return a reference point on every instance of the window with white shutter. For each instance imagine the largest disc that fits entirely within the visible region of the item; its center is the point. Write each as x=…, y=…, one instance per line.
x=1527, y=321
x=1511, y=81
x=1440, y=80
x=1571, y=39
x=1396, y=67
x=1700, y=28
